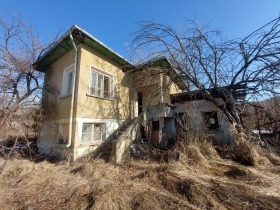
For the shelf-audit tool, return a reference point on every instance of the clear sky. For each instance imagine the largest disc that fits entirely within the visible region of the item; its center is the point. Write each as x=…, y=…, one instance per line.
x=113, y=21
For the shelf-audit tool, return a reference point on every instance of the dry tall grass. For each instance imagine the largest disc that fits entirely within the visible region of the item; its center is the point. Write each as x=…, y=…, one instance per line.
x=200, y=179
x=197, y=178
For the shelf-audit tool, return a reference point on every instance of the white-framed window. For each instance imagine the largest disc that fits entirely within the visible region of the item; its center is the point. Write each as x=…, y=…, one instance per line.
x=92, y=132
x=67, y=82
x=101, y=83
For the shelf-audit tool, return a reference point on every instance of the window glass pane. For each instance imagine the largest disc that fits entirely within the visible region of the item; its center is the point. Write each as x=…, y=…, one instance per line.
x=91, y=132
x=97, y=132
x=86, y=132
x=100, y=78
x=93, y=83
x=106, y=87
x=87, y=128
x=92, y=91
x=93, y=78
x=97, y=128
x=96, y=136
x=69, y=83
x=86, y=137
x=100, y=84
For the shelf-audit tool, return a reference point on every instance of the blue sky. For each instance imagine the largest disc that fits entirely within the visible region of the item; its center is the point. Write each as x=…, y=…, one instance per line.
x=113, y=22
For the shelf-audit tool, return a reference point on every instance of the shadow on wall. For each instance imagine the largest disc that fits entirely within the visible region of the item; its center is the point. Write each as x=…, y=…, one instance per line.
x=202, y=117
x=117, y=107
x=116, y=146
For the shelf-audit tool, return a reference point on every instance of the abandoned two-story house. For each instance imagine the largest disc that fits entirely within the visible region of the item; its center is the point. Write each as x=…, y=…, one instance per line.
x=98, y=92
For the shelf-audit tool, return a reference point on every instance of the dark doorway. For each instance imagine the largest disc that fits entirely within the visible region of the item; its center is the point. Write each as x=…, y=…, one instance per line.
x=168, y=132
x=140, y=103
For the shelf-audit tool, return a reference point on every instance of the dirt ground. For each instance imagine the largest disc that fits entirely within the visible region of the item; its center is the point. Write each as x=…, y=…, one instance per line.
x=199, y=179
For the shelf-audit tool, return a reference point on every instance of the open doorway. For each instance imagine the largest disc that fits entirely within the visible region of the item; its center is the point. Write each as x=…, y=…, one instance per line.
x=140, y=103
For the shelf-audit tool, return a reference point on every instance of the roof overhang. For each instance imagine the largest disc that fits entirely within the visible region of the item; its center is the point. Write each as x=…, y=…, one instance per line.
x=80, y=36
x=162, y=63
x=238, y=92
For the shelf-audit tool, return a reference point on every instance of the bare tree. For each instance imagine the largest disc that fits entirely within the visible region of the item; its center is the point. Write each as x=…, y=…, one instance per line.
x=208, y=62
x=20, y=86
x=264, y=116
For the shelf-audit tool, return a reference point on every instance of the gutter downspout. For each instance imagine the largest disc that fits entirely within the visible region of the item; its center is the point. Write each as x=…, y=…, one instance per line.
x=161, y=89
x=73, y=93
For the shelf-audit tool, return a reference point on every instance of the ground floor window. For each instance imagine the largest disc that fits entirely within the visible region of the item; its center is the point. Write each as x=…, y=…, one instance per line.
x=92, y=132
x=211, y=120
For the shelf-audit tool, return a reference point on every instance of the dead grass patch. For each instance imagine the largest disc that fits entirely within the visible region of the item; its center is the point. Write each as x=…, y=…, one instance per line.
x=200, y=179
x=238, y=196
x=198, y=152
x=25, y=184
x=239, y=173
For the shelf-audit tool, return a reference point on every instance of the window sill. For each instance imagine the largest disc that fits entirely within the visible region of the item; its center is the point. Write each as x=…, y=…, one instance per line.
x=93, y=143
x=109, y=99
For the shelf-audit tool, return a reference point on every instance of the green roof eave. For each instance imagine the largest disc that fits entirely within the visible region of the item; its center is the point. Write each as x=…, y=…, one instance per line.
x=80, y=36
x=163, y=63
x=64, y=47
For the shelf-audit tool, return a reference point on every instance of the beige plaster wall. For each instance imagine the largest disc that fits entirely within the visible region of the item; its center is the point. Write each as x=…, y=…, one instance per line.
x=93, y=107
x=168, y=88
x=112, y=112
x=54, y=76
x=158, y=90
x=86, y=108
x=144, y=77
x=150, y=95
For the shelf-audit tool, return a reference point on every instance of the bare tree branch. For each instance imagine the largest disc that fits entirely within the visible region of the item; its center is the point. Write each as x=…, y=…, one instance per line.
x=20, y=86
x=207, y=61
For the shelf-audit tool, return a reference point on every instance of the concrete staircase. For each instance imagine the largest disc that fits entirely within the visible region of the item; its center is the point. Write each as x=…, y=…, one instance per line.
x=115, y=147
x=125, y=138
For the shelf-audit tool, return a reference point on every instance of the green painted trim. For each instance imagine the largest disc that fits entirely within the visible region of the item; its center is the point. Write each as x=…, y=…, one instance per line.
x=57, y=53
x=65, y=46
x=164, y=64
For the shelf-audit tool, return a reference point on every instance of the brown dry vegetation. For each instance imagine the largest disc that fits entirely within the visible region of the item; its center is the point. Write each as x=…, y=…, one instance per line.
x=200, y=179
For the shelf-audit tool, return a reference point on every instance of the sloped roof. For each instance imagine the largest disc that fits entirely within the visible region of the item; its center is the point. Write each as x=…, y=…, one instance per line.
x=162, y=62
x=80, y=36
x=237, y=91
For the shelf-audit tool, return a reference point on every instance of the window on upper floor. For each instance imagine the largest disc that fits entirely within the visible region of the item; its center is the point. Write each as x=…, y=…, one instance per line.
x=67, y=82
x=101, y=84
